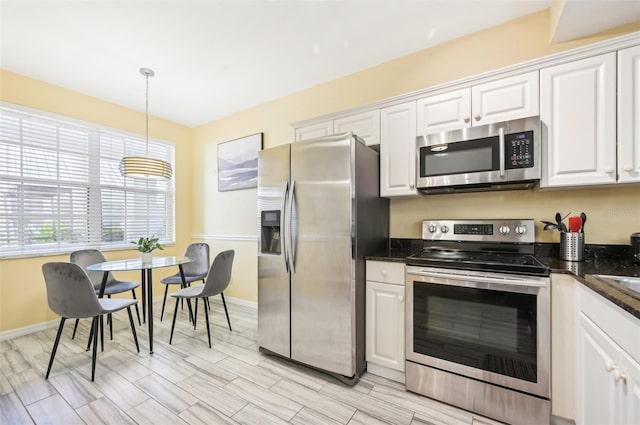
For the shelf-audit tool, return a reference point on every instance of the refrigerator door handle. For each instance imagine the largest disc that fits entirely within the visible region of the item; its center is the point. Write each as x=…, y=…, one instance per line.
x=291, y=252
x=283, y=225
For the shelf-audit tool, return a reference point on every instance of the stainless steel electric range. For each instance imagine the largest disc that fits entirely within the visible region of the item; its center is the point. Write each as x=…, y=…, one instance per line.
x=478, y=319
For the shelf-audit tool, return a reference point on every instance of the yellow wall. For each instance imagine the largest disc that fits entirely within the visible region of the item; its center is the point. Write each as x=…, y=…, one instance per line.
x=613, y=212
x=230, y=217
x=22, y=290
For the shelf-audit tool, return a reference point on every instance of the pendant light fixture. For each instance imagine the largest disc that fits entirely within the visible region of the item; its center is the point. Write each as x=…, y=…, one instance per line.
x=145, y=166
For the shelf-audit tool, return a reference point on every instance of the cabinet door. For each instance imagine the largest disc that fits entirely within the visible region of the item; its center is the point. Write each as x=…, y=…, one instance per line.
x=629, y=115
x=315, y=130
x=597, y=354
x=577, y=109
x=398, y=150
x=630, y=388
x=365, y=125
x=385, y=325
x=443, y=112
x=506, y=99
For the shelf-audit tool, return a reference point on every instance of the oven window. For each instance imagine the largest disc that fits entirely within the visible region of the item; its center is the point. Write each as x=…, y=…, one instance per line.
x=485, y=329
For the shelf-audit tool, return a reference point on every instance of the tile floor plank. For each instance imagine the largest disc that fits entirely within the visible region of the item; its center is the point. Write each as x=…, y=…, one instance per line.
x=12, y=411
x=319, y=402
x=203, y=414
x=53, y=410
x=220, y=399
x=76, y=390
x=253, y=415
x=266, y=400
x=166, y=393
x=151, y=412
x=103, y=411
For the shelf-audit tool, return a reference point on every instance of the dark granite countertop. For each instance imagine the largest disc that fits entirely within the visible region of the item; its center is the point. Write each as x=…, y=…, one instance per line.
x=599, y=259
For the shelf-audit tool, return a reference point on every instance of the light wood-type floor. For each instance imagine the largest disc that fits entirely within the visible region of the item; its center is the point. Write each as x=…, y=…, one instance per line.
x=188, y=383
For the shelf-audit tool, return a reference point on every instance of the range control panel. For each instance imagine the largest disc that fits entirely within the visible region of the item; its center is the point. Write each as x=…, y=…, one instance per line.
x=498, y=230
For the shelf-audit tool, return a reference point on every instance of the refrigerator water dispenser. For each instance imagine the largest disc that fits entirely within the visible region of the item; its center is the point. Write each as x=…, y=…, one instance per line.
x=270, y=232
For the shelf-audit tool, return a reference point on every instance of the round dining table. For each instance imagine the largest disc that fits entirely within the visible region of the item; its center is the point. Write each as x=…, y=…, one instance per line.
x=147, y=278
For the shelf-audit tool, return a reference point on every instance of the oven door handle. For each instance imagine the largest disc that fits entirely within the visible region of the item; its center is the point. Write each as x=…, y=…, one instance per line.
x=510, y=281
x=502, y=153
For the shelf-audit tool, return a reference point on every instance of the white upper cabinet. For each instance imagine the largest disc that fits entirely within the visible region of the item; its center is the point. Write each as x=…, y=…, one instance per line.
x=442, y=112
x=629, y=115
x=316, y=130
x=365, y=125
x=398, y=150
x=506, y=99
x=496, y=101
x=578, y=114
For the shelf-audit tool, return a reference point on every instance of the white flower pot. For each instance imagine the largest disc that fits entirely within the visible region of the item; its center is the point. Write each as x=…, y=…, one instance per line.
x=147, y=257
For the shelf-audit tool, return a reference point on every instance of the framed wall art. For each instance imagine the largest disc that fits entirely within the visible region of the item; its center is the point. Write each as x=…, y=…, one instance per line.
x=238, y=163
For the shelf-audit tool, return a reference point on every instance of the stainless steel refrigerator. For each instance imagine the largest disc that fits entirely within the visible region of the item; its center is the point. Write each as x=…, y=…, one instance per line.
x=319, y=214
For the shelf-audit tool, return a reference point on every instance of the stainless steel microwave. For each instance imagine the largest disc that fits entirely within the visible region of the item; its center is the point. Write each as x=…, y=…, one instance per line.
x=499, y=156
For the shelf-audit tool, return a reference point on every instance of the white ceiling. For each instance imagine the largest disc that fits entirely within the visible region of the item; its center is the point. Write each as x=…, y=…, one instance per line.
x=215, y=58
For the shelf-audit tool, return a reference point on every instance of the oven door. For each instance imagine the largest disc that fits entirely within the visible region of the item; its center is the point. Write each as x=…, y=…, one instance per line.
x=492, y=327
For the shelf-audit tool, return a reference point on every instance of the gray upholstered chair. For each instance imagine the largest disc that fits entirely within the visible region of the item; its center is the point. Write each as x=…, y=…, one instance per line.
x=217, y=281
x=70, y=294
x=193, y=272
x=87, y=257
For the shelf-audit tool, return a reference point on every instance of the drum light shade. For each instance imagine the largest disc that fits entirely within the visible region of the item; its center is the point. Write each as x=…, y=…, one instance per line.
x=144, y=166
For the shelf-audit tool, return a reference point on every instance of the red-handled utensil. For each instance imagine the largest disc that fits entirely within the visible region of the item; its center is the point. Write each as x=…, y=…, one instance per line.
x=575, y=223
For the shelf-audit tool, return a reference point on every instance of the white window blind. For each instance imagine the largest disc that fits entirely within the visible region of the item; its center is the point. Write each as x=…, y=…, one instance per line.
x=61, y=188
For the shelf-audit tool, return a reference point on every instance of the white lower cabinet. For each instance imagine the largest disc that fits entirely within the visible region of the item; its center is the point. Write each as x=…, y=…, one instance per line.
x=608, y=372
x=385, y=319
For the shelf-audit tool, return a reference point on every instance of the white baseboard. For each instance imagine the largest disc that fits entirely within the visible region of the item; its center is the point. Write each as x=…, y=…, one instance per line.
x=26, y=330
x=242, y=302
x=385, y=372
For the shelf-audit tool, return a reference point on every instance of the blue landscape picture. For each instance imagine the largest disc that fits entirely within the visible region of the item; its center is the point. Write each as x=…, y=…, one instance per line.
x=238, y=163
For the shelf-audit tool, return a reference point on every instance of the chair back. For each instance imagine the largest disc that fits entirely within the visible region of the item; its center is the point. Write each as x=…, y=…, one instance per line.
x=86, y=257
x=70, y=293
x=199, y=253
x=219, y=275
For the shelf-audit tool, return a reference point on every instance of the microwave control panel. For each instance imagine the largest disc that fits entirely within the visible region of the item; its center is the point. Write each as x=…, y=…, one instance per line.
x=519, y=150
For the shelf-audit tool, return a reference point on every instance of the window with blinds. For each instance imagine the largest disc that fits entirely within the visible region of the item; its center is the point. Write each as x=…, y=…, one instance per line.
x=61, y=188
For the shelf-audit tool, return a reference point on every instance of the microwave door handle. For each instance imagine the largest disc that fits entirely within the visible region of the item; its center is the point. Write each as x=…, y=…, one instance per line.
x=283, y=226
x=501, y=142
x=510, y=281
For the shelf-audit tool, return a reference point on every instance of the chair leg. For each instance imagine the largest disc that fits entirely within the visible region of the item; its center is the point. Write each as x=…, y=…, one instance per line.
x=206, y=319
x=173, y=324
x=94, y=325
x=101, y=333
x=133, y=329
x=133, y=291
x=225, y=310
x=55, y=346
x=195, y=315
x=91, y=336
x=75, y=328
x=109, y=318
x=164, y=300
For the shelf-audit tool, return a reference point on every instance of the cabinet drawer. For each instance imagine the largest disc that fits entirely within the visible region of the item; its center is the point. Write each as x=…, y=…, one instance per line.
x=385, y=272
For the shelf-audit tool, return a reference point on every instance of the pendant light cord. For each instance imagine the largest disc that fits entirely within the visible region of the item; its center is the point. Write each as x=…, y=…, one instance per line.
x=146, y=108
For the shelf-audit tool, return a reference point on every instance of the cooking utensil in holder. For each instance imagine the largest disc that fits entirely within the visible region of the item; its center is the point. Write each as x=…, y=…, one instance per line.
x=571, y=246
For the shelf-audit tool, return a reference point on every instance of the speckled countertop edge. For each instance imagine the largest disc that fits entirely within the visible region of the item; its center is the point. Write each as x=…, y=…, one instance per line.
x=582, y=271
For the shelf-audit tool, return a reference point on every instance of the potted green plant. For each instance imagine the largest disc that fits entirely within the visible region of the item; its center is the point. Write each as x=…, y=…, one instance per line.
x=146, y=246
